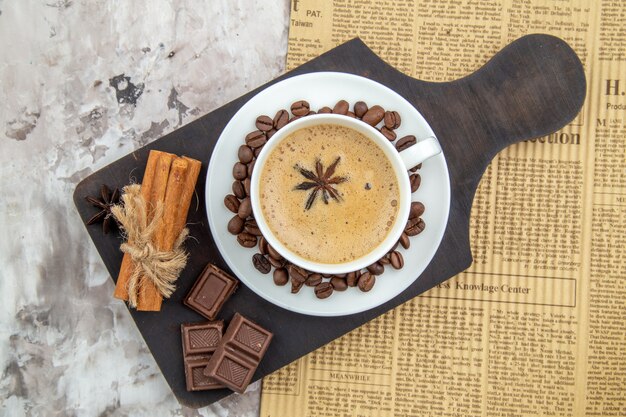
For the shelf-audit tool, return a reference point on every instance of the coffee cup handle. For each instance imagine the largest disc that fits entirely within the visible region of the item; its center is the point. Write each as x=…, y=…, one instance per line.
x=421, y=151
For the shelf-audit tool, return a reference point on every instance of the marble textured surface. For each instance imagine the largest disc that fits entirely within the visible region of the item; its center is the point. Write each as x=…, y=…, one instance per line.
x=82, y=83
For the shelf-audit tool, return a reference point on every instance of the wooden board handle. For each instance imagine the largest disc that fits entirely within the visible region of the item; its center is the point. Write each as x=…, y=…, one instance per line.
x=531, y=88
x=537, y=81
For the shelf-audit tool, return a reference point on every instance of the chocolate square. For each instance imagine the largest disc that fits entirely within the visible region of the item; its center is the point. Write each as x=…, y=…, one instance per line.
x=249, y=337
x=201, y=338
x=210, y=291
x=231, y=370
x=239, y=353
x=194, y=375
x=199, y=342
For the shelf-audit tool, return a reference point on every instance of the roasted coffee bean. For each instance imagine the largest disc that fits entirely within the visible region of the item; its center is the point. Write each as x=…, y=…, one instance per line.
x=417, y=209
x=339, y=284
x=263, y=245
x=350, y=114
x=239, y=190
x=366, y=282
x=296, y=286
x=414, y=227
x=235, y=225
x=394, y=247
x=352, y=278
x=339, y=275
x=245, y=154
x=360, y=108
x=313, y=280
x=311, y=113
x=251, y=167
x=246, y=185
x=270, y=133
x=294, y=118
x=374, y=115
x=397, y=261
x=240, y=171
x=273, y=253
x=297, y=274
x=388, y=133
x=258, y=142
x=257, y=151
x=281, y=119
x=246, y=240
x=405, y=241
x=392, y=120
x=261, y=263
x=256, y=139
x=300, y=108
x=341, y=107
x=416, y=167
x=376, y=268
x=232, y=203
x=277, y=263
x=384, y=260
x=323, y=290
x=405, y=142
x=324, y=110
x=264, y=123
x=281, y=277
x=251, y=227
x=245, y=208
x=415, y=180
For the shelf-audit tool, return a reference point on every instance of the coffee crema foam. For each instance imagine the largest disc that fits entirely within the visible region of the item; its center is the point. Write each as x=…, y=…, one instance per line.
x=340, y=231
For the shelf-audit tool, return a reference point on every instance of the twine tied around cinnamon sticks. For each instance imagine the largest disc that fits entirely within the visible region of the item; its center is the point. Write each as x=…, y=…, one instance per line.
x=162, y=267
x=154, y=218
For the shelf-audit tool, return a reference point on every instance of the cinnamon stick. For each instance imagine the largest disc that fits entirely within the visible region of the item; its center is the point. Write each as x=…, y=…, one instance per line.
x=153, y=189
x=181, y=186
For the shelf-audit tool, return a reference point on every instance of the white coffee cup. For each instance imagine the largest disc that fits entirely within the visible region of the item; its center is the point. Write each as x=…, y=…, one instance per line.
x=400, y=161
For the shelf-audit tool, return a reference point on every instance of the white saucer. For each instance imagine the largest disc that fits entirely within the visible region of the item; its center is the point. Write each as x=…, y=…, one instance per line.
x=325, y=89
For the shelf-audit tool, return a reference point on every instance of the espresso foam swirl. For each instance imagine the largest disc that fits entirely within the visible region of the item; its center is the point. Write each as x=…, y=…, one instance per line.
x=338, y=231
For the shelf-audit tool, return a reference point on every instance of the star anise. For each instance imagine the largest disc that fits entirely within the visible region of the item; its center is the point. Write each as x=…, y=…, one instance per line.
x=320, y=182
x=107, y=200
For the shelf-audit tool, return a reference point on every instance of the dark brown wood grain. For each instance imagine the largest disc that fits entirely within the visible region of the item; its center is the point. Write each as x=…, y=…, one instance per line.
x=533, y=87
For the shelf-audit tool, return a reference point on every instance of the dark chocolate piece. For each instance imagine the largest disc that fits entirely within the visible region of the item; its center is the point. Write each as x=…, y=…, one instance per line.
x=199, y=341
x=201, y=338
x=238, y=354
x=232, y=370
x=194, y=374
x=211, y=290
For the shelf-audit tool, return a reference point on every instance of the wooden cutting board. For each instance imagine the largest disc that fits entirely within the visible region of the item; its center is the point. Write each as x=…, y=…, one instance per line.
x=531, y=88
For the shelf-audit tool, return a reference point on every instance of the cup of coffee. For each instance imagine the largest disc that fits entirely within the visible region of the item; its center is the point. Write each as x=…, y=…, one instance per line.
x=331, y=194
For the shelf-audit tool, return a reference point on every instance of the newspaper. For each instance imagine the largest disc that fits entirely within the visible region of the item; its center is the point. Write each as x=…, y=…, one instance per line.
x=537, y=325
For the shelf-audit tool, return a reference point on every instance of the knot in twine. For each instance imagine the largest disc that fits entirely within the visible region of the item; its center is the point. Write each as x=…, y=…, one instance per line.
x=161, y=267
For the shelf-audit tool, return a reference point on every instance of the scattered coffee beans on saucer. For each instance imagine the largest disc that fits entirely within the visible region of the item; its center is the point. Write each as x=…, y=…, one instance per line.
x=245, y=228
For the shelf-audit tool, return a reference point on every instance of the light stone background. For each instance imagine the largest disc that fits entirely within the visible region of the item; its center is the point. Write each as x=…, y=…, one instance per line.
x=67, y=348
